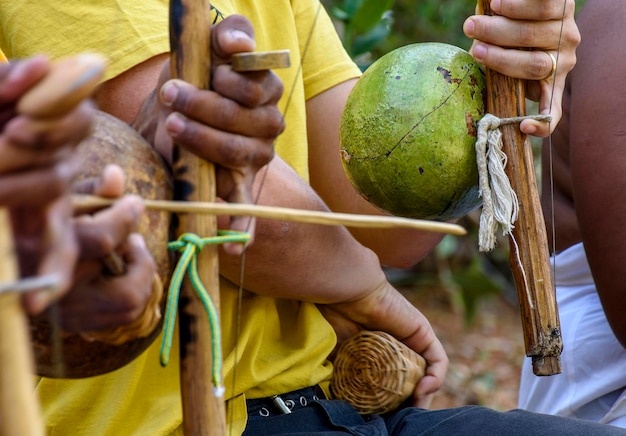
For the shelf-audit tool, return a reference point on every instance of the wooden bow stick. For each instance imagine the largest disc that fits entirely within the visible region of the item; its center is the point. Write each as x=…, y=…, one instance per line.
x=19, y=408
x=81, y=201
x=194, y=180
x=529, y=259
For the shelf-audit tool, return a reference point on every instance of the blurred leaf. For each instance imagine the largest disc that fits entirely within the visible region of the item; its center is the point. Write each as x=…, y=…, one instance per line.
x=366, y=42
x=351, y=6
x=447, y=247
x=339, y=14
x=370, y=14
x=475, y=285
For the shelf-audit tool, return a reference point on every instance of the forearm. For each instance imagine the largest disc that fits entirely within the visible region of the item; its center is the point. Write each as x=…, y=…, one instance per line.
x=596, y=153
x=322, y=264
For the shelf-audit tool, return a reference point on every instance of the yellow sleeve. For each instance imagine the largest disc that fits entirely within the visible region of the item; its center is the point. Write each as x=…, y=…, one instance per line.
x=325, y=63
x=126, y=32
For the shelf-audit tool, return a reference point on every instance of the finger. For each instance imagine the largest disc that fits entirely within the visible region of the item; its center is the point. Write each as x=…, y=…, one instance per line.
x=501, y=31
x=244, y=224
x=259, y=117
x=551, y=97
x=137, y=280
x=533, y=9
x=432, y=380
x=104, y=232
x=18, y=76
x=36, y=187
x=51, y=133
x=540, y=129
x=17, y=159
x=220, y=147
x=110, y=184
x=234, y=34
x=112, y=301
x=59, y=257
x=250, y=89
x=521, y=64
x=424, y=401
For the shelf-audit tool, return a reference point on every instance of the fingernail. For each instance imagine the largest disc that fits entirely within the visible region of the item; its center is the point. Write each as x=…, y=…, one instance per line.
x=175, y=123
x=138, y=208
x=169, y=92
x=479, y=51
x=41, y=298
x=38, y=301
x=528, y=128
x=19, y=68
x=137, y=239
x=468, y=28
x=239, y=34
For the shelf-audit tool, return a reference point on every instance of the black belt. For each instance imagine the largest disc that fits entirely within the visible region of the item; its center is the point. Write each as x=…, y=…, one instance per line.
x=284, y=403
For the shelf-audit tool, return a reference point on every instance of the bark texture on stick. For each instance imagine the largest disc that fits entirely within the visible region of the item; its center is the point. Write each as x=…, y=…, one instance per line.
x=19, y=408
x=203, y=413
x=529, y=260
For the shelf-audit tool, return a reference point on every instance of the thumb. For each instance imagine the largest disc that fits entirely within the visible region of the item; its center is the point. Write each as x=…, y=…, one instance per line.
x=233, y=35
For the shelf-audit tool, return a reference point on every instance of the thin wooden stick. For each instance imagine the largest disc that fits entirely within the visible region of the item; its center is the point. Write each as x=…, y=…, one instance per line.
x=203, y=412
x=19, y=408
x=529, y=257
x=281, y=213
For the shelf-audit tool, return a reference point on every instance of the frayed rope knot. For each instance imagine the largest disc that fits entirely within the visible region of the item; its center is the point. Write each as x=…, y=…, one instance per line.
x=189, y=245
x=500, y=204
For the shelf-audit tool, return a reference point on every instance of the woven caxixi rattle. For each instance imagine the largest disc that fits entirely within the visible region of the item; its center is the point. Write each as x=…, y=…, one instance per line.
x=375, y=372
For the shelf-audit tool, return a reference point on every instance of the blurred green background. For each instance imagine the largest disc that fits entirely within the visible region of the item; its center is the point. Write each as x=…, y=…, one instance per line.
x=371, y=28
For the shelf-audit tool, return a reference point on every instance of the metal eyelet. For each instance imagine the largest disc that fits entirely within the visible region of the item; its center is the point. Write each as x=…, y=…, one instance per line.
x=290, y=404
x=264, y=412
x=303, y=401
x=316, y=398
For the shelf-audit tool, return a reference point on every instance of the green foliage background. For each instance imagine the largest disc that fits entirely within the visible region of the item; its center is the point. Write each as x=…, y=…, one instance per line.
x=371, y=28
x=407, y=21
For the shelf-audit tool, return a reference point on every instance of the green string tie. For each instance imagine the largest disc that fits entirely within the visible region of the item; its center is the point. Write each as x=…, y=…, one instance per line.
x=190, y=245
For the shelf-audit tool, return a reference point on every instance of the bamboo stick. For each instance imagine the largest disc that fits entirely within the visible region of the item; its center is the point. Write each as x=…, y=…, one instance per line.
x=203, y=412
x=529, y=256
x=19, y=408
x=281, y=213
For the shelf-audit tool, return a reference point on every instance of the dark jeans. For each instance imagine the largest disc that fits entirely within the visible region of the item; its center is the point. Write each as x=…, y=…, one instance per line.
x=332, y=417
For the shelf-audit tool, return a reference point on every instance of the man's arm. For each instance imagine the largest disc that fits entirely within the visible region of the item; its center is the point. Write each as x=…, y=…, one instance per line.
x=597, y=158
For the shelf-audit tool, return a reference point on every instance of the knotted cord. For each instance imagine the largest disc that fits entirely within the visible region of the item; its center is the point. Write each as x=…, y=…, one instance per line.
x=189, y=245
x=500, y=204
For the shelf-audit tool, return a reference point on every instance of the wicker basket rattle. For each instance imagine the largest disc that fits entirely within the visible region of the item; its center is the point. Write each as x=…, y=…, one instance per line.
x=375, y=372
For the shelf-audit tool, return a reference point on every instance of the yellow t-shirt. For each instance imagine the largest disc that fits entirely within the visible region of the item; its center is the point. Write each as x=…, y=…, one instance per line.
x=282, y=345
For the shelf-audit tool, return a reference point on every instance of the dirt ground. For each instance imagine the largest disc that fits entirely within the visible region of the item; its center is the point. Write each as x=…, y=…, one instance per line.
x=485, y=356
